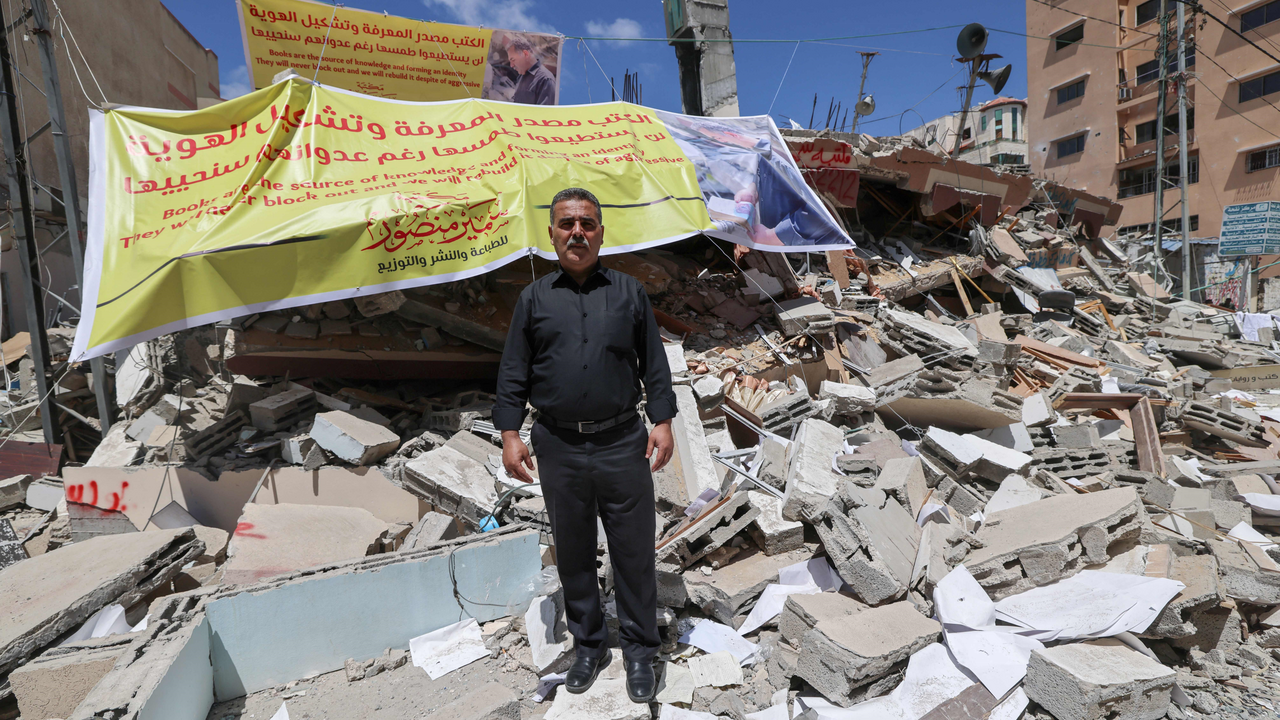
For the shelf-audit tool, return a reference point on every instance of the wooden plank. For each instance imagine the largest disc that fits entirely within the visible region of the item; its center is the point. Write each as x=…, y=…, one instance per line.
x=1146, y=437
x=1057, y=352
x=1098, y=401
x=964, y=298
x=838, y=267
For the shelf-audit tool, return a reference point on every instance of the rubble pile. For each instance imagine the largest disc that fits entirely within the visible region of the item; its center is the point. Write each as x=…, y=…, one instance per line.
x=908, y=482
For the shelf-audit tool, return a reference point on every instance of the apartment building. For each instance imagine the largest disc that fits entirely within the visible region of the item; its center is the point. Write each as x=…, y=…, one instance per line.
x=1092, y=105
x=995, y=133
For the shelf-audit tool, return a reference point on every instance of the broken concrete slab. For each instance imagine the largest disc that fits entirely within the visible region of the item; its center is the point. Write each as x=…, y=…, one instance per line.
x=904, y=479
x=271, y=540
x=13, y=491
x=718, y=524
x=810, y=478
x=956, y=400
x=454, y=483
x=605, y=700
x=57, y=591
x=1201, y=591
x=1098, y=679
x=115, y=450
x=283, y=410
x=726, y=590
x=773, y=533
x=846, y=398
x=837, y=658
x=54, y=683
x=801, y=612
x=431, y=528
x=1247, y=573
x=871, y=540
x=353, y=439
x=1037, y=543
x=718, y=669
x=548, y=634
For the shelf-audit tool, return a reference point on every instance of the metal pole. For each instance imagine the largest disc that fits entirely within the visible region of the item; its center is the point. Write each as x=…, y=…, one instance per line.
x=67, y=176
x=1162, y=55
x=968, y=97
x=1182, y=152
x=866, y=63
x=24, y=238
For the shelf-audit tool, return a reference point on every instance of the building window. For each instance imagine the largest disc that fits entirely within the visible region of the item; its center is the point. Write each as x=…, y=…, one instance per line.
x=1071, y=146
x=1142, y=181
x=1147, y=72
x=1260, y=16
x=1171, y=225
x=1067, y=93
x=1009, y=159
x=968, y=133
x=1263, y=159
x=1067, y=38
x=1146, y=132
x=1148, y=11
x=984, y=122
x=999, y=124
x=1013, y=123
x=1259, y=86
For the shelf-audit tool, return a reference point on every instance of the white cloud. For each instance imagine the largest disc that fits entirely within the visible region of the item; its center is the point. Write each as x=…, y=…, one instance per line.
x=235, y=83
x=620, y=28
x=501, y=14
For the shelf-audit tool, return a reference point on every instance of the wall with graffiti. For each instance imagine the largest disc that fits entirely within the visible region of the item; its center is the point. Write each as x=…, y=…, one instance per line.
x=1227, y=278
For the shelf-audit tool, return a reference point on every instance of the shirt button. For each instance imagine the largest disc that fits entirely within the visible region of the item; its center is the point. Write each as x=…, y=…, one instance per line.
x=584, y=314
x=584, y=341
x=584, y=367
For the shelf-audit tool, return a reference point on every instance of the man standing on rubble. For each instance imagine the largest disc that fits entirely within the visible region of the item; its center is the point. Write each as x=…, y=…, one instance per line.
x=582, y=340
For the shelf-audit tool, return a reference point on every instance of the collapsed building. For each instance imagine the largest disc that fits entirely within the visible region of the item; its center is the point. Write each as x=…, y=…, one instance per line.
x=889, y=461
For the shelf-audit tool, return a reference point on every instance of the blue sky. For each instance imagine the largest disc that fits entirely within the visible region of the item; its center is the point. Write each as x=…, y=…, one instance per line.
x=915, y=70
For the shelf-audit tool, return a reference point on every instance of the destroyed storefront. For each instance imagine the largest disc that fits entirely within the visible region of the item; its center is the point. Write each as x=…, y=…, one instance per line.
x=894, y=467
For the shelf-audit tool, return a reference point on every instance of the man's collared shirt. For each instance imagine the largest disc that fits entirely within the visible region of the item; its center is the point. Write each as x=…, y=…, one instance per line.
x=580, y=353
x=536, y=87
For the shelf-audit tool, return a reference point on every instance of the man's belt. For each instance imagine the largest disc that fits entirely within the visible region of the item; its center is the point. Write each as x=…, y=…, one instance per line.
x=587, y=426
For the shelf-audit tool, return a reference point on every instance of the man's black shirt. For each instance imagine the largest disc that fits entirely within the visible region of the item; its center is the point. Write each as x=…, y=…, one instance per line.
x=579, y=354
x=536, y=87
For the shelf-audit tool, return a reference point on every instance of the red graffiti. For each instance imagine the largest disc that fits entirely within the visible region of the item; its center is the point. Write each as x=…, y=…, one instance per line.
x=76, y=493
x=242, y=527
x=116, y=498
x=842, y=185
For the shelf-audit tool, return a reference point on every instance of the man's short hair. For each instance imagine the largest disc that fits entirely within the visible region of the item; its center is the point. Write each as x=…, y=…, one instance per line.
x=575, y=193
x=519, y=42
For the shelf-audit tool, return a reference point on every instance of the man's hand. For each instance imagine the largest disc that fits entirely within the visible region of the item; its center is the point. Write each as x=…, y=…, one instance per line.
x=661, y=445
x=515, y=455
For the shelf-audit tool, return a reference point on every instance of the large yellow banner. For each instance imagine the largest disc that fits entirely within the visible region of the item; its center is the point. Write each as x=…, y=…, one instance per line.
x=298, y=194
x=395, y=57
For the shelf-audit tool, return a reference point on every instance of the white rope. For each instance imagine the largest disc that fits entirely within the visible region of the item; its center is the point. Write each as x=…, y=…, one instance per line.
x=602, y=72
x=326, y=41
x=87, y=66
x=783, y=80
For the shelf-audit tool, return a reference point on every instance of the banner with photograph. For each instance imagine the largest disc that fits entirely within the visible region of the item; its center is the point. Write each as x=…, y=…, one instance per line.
x=301, y=193
x=394, y=57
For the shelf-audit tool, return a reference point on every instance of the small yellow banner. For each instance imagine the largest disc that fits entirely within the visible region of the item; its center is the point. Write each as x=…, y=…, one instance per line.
x=394, y=57
x=298, y=194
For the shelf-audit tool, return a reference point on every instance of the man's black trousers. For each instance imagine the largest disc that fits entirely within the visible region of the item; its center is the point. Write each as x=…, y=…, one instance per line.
x=604, y=472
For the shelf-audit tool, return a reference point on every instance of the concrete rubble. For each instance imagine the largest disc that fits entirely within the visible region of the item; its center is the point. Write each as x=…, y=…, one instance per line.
x=327, y=485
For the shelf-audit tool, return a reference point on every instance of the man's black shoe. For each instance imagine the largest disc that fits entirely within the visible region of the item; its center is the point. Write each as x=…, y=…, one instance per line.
x=641, y=682
x=584, y=671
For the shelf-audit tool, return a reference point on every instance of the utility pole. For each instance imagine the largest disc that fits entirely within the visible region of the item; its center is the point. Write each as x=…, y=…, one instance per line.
x=24, y=236
x=67, y=176
x=866, y=63
x=1162, y=57
x=1183, y=176
x=974, y=64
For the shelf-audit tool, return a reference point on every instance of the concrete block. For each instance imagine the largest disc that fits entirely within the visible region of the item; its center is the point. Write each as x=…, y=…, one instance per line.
x=810, y=479
x=1037, y=410
x=1199, y=573
x=430, y=529
x=294, y=450
x=773, y=464
x=773, y=533
x=709, y=390
x=1072, y=463
x=1014, y=437
x=801, y=612
x=892, y=380
x=1014, y=491
x=116, y=449
x=283, y=410
x=953, y=453
x=13, y=491
x=1082, y=435
x=799, y=315
x=273, y=540
x=955, y=399
x=904, y=480
x=709, y=532
x=454, y=483
x=1229, y=487
x=140, y=429
x=351, y=439
x=217, y=437
x=1247, y=573
x=1224, y=424
x=1036, y=543
x=847, y=398
x=53, y=684
x=726, y=590
x=1098, y=679
x=871, y=540
x=837, y=658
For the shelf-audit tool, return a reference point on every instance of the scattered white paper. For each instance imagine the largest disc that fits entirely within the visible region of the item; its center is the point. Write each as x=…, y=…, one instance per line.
x=1013, y=706
x=671, y=712
x=775, y=712
x=1244, y=531
x=282, y=713
x=931, y=678
x=769, y=606
x=546, y=684
x=817, y=571
x=712, y=637
x=1014, y=491
x=997, y=656
x=1261, y=504
x=442, y=651
x=108, y=621
x=716, y=670
x=1090, y=604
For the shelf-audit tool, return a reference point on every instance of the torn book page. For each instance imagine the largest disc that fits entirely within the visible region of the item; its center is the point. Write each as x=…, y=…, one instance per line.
x=442, y=651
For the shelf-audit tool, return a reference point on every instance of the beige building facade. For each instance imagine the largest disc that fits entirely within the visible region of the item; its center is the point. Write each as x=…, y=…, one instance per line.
x=1093, y=117
x=995, y=133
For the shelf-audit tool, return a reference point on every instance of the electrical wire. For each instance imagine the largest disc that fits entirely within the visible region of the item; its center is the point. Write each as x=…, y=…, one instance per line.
x=1097, y=19
x=783, y=80
x=762, y=40
x=88, y=68
x=1224, y=102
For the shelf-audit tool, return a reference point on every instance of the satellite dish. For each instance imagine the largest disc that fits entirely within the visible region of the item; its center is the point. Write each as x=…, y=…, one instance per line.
x=996, y=79
x=971, y=41
x=865, y=106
